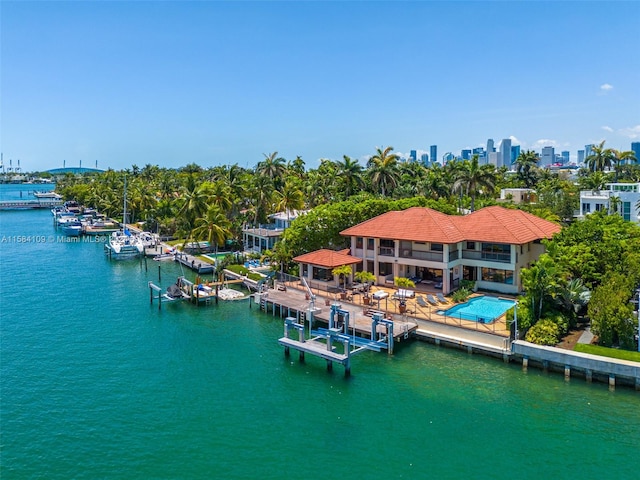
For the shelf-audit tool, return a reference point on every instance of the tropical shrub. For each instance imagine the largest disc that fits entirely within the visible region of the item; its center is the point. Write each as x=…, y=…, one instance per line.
x=545, y=332
x=461, y=295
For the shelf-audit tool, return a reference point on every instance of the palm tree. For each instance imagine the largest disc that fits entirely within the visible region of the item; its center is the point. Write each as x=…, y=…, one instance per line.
x=194, y=203
x=540, y=281
x=383, y=170
x=290, y=199
x=620, y=158
x=343, y=271
x=600, y=159
x=526, y=164
x=213, y=226
x=261, y=198
x=473, y=179
x=350, y=173
x=367, y=278
x=272, y=167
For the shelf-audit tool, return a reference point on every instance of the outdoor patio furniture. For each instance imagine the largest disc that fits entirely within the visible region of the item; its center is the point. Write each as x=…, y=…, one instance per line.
x=441, y=297
x=422, y=302
x=432, y=300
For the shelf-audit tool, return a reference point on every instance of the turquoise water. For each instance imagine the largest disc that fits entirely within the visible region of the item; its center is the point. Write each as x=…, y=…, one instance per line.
x=480, y=309
x=97, y=383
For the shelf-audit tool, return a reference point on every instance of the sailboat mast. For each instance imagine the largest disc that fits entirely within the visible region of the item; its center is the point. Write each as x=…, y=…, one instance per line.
x=124, y=213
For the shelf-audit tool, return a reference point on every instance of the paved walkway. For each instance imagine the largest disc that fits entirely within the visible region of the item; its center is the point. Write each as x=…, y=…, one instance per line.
x=586, y=337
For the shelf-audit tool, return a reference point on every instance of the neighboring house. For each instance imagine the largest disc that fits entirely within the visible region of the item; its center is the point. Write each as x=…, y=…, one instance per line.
x=489, y=246
x=518, y=195
x=626, y=195
x=316, y=267
x=264, y=236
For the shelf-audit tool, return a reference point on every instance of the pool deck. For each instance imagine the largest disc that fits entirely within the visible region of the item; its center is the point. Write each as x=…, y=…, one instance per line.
x=491, y=338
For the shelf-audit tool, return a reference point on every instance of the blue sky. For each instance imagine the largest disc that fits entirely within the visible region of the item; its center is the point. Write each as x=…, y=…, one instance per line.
x=170, y=83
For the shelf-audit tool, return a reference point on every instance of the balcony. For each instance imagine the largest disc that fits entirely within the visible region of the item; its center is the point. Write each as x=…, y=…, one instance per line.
x=493, y=257
x=386, y=251
x=420, y=255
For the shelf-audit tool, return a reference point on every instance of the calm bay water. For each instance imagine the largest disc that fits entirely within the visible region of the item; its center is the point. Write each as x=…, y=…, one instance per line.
x=96, y=383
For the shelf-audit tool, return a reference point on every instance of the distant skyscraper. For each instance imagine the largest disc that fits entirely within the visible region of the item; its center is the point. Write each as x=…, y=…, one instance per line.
x=413, y=156
x=424, y=158
x=565, y=157
x=490, y=147
x=466, y=154
x=548, y=156
x=515, y=153
x=433, y=153
x=493, y=158
x=588, y=150
x=635, y=148
x=504, y=159
x=448, y=157
x=580, y=157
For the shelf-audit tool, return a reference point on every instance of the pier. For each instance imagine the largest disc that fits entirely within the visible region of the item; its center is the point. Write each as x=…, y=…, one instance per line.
x=194, y=263
x=334, y=344
x=30, y=204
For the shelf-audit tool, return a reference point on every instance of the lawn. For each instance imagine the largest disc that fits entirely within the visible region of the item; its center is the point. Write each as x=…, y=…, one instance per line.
x=608, y=352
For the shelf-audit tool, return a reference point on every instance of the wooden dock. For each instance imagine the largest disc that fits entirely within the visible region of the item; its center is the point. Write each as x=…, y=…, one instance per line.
x=196, y=264
x=293, y=303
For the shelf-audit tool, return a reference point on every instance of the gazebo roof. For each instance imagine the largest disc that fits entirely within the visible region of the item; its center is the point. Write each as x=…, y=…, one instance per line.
x=328, y=258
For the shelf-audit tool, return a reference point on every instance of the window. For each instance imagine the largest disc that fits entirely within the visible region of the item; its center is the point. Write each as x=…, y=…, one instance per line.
x=626, y=210
x=496, y=275
x=358, y=242
x=471, y=245
x=496, y=251
x=385, y=268
x=370, y=245
x=322, y=274
x=437, y=247
x=387, y=247
x=586, y=207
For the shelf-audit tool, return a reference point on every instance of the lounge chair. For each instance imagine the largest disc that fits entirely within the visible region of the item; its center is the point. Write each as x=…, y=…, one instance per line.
x=441, y=298
x=432, y=300
x=422, y=302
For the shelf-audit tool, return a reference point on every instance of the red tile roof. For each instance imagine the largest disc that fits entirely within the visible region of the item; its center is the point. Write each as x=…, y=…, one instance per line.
x=490, y=224
x=327, y=258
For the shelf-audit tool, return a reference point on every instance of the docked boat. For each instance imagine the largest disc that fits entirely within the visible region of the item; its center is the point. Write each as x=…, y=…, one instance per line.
x=71, y=228
x=123, y=244
x=51, y=195
x=100, y=227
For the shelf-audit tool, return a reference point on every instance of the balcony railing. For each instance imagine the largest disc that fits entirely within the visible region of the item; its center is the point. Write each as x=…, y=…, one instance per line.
x=420, y=255
x=493, y=257
x=386, y=251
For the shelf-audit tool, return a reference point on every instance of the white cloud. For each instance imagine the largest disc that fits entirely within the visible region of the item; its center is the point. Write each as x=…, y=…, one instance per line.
x=608, y=129
x=545, y=142
x=514, y=140
x=605, y=87
x=631, y=132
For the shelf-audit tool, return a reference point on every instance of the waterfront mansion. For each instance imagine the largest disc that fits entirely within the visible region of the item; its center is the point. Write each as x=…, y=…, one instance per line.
x=489, y=246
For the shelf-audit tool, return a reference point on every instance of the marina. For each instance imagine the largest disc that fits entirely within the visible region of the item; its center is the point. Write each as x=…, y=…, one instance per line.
x=186, y=391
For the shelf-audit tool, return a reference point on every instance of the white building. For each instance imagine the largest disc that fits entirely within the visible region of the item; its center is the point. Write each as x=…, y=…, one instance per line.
x=627, y=195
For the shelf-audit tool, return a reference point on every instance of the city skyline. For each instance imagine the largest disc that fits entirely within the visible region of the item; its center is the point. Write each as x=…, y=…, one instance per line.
x=171, y=83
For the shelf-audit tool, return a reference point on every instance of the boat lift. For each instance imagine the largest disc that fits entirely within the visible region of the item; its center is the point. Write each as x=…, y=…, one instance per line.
x=322, y=341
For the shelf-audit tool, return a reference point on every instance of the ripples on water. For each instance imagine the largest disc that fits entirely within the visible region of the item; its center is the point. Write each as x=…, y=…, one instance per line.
x=96, y=383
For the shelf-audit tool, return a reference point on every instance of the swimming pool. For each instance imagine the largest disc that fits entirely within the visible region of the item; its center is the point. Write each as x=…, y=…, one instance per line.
x=479, y=309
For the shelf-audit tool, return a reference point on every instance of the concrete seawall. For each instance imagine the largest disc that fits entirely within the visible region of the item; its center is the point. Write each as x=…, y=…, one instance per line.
x=591, y=367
